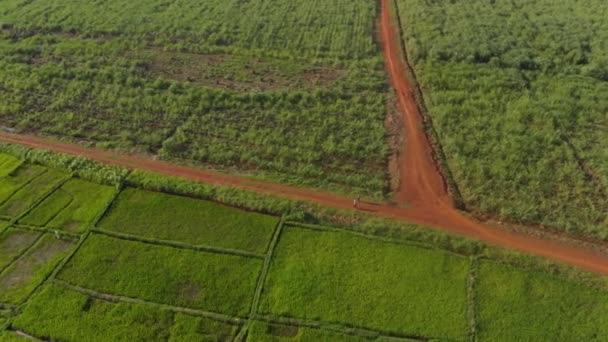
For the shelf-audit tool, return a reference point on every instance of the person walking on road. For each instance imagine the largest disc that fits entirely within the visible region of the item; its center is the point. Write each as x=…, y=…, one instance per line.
x=356, y=202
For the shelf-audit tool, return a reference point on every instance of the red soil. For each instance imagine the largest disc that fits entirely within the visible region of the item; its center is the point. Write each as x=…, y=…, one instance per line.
x=422, y=197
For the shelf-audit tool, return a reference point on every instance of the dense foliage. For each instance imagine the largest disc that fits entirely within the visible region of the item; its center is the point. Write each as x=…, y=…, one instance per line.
x=197, y=83
x=517, y=92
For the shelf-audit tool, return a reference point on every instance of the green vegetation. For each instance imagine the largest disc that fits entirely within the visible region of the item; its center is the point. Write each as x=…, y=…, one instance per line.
x=163, y=274
x=72, y=207
x=17, y=179
x=9, y=336
x=340, y=277
x=8, y=164
x=27, y=196
x=167, y=217
x=189, y=328
x=517, y=97
x=200, y=83
x=13, y=243
x=26, y=273
x=517, y=305
x=267, y=332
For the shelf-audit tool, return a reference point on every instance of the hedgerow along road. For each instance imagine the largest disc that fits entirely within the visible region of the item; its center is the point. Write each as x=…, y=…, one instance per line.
x=421, y=198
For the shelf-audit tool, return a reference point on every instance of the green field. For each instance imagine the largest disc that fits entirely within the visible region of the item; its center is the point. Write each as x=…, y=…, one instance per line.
x=515, y=305
x=31, y=192
x=19, y=280
x=8, y=164
x=17, y=179
x=517, y=97
x=72, y=207
x=339, y=277
x=163, y=274
x=192, y=221
x=71, y=316
x=198, y=83
x=13, y=243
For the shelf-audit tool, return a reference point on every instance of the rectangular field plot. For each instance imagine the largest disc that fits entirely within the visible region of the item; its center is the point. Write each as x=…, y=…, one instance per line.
x=12, y=182
x=212, y=282
x=341, y=277
x=167, y=217
x=26, y=273
x=269, y=332
x=60, y=314
x=8, y=164
x=27, y=195
x=72, y=207
x=13, y=243
x=515, y=305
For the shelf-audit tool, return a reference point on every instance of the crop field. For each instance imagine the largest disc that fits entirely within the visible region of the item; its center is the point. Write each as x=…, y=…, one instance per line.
x=72, y=207
x=338, y=277
x=199, y=83
x=166, y=217
x=154, y=266
x=517, y=97
x=519, y=306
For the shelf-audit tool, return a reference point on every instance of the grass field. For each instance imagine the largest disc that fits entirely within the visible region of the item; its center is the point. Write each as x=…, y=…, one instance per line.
x=8, y=164
x=12, y=182
x=515, y=305
x=167, y=217
x=27, y=196
x=197, y=83
x=13, y=243
x=26, y=273
x=517, y=96
x=72, y=207
x=163, y=274
x=67, y=315
x=339, y=277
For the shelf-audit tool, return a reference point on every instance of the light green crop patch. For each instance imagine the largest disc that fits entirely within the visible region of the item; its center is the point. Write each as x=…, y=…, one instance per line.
x=27, y=272
x=8, y=164
x=161, y=216
x=12, y=182
x=72, y=207
x=341, y=277
x=267, y=332
x=207, y=281
x=518, y=305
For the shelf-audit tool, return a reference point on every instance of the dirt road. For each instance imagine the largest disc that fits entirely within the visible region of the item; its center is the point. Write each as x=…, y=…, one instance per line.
x=422, y=188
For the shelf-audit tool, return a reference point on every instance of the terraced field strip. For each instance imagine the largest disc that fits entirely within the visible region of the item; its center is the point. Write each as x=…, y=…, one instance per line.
x=55, y=232
x=339, y=328
x=116, y=298
x=471, y=299
x=179, y=245
x=23, y=251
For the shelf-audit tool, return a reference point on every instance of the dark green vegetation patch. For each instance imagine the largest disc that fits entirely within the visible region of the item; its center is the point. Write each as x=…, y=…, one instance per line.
x=72, y=207
x=166, y=217
x=515, y=305
x=237, y=85
x=212, y=282
x=340, y=277
x=517, y=92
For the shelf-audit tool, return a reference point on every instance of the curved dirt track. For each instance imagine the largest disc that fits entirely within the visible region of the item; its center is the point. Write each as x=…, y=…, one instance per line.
x=422, y=189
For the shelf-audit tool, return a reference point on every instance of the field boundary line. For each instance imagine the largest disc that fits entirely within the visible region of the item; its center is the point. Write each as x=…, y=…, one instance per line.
x=341, y=328
x=124, y=299
x=409, y=243
x=177, y=245
x=59, y=232
x=472, y=298
x=59, y=266
x=255, y=302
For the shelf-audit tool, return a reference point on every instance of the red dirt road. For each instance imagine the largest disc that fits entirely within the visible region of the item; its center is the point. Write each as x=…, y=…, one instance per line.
x=422, y=188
